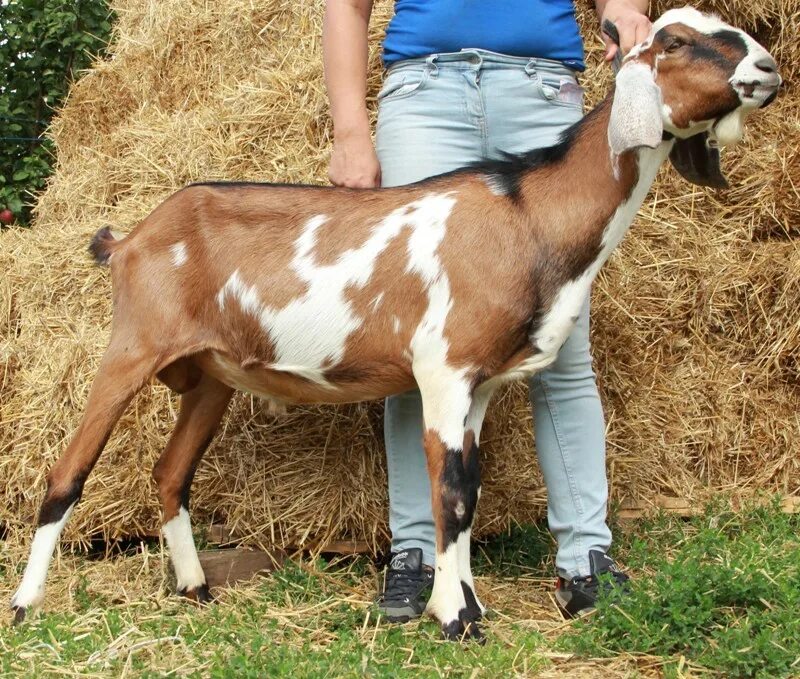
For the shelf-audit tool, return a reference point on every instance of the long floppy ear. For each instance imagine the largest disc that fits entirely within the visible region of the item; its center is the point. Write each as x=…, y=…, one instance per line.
x=698, y=162
x=636, y=110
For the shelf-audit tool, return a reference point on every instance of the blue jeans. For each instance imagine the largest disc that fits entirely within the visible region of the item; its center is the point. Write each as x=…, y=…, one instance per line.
x=440, y=113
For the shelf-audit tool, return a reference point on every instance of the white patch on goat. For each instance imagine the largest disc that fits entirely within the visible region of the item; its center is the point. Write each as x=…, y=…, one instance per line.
x=396, y=324
x=643, y=46
x=296, y=329
x=477, y=410
x=247, y=296
x=730, y=128
x=666, y=113
x=179, y=255
x=178, y=533
x=704, y=23
x=376, y=302
x=447, y=597
x=445, y=390
x=31, y=590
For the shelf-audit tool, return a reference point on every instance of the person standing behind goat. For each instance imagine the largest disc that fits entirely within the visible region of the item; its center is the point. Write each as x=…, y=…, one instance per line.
x=466, y=80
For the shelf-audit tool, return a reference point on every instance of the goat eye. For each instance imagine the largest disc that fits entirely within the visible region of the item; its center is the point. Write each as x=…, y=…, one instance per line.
x=675, y=44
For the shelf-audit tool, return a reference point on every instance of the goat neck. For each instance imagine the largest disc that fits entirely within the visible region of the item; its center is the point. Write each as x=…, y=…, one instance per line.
x=569, y=240
x=599, y=192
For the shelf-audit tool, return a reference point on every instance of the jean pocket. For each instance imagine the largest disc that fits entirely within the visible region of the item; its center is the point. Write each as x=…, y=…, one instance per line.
x=560, y=90
x=402, y=84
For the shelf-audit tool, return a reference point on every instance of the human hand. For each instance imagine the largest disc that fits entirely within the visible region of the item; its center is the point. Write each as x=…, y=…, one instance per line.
x=354, y=162
x=631, y=21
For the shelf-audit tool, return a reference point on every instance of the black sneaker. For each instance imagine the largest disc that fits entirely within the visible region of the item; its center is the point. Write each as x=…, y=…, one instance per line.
x=577, y=597
x=406, y=587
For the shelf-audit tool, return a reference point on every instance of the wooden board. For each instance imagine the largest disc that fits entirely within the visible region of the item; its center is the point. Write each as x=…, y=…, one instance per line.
x=228, y=566
x=685, y=507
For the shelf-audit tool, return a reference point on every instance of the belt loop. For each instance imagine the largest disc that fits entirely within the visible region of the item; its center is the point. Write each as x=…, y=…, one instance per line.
x=530, y=67
x=430, y=65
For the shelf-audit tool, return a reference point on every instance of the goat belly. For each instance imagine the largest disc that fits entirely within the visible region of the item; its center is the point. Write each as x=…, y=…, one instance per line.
x=285, y=384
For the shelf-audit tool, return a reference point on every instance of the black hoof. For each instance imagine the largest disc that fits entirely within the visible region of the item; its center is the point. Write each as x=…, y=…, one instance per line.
x=200, y=595
x=19, y=614
x=463, y=630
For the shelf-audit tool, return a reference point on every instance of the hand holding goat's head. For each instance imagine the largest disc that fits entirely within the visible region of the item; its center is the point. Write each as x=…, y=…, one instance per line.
x=694, y=78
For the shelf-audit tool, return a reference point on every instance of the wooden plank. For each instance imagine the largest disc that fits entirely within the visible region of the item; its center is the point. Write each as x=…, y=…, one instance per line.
x=343, y=547
x=346, y=547
x=687, y=508
x=227, y=566
x=220, y=534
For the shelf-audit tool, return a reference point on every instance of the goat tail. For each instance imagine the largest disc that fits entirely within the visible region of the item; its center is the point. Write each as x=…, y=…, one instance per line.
x=103, y=244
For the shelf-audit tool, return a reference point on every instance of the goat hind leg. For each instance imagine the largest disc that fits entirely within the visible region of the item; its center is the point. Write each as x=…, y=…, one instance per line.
x=202, y=408
x=121, y=375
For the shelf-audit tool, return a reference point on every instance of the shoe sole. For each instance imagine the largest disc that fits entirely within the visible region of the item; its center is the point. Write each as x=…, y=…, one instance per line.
x=562, y=607
x=399, y=615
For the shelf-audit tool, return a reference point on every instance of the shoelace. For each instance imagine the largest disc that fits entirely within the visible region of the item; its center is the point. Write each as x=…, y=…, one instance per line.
x=401, y=585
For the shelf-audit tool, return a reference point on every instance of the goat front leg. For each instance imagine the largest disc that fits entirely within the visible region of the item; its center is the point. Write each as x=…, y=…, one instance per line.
x=122, y=373
x=477, y=411
x=454, y=498
x=202, y=409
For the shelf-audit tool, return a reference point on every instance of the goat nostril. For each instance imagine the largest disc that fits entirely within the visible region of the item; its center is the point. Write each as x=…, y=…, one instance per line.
x=766, y=64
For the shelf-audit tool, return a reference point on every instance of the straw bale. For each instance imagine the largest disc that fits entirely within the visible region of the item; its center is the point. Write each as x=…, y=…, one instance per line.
x=696, y=324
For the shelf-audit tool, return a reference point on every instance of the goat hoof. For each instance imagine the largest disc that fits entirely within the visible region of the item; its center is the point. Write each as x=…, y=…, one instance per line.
x=463, y=630
x=19, y=614
x=200, y=594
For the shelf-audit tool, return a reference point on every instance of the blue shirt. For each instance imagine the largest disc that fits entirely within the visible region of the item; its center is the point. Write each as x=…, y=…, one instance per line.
x=546, y=29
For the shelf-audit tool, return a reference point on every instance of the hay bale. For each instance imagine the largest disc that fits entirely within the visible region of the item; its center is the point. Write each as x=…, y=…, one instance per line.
x=696, y=330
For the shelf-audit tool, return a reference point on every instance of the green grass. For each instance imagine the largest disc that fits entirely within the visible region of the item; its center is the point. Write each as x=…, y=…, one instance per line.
x=719, y=592
x=292, y=623
x=723, y=590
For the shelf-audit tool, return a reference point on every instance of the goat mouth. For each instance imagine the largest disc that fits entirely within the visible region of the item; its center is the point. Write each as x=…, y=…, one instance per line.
x=758, y=93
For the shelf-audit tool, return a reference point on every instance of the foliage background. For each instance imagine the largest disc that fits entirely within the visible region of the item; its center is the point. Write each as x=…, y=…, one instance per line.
x=43, y=45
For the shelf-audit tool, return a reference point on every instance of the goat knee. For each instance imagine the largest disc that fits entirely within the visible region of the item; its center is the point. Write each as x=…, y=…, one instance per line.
x=459, y=497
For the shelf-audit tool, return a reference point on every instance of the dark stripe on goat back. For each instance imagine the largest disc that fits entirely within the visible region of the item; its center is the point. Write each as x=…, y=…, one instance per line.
x=222, y=184
x=508, y=169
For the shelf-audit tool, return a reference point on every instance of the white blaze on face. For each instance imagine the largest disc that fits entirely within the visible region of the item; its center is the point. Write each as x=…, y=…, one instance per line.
x=311, y=331
x=179, y=255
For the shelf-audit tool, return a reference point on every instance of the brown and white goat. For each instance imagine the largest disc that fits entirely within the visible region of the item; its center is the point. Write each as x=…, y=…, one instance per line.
x=454, y=285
